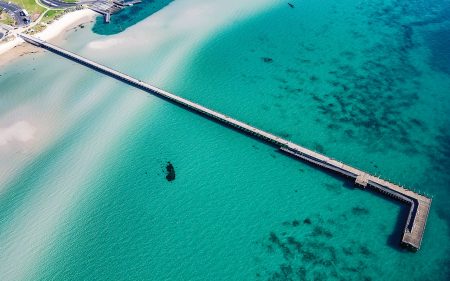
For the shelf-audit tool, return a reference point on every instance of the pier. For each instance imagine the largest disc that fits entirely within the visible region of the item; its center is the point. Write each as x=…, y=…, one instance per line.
x=106, y=14
x=418, y=204
x=107, y=8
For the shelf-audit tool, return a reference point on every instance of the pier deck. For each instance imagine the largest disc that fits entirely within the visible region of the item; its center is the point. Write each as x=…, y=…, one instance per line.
x=419, y=205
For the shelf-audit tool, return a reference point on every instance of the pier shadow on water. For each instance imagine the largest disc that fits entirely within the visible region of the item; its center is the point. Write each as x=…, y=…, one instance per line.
x=395, y=238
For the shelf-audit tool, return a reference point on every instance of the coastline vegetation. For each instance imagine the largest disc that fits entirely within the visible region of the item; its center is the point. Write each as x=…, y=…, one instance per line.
x=49, y=17
x=6, y=18
x=36, y=10
x=52, y=15
x=30, y=5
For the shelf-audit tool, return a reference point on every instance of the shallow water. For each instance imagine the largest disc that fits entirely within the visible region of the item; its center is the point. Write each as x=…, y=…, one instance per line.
x=89, y=199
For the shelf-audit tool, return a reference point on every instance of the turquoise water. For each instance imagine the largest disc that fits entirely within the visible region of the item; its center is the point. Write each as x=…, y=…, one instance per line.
x=361, y=82
x=128, y=17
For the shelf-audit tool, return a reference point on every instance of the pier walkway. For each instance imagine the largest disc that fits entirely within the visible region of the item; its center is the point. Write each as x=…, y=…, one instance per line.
x=419, y=205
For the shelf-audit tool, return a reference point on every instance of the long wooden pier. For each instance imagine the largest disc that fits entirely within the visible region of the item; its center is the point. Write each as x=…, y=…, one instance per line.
x=419, y=205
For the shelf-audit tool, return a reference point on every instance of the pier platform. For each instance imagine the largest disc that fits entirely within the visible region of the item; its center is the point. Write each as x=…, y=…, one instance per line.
x=418, y=204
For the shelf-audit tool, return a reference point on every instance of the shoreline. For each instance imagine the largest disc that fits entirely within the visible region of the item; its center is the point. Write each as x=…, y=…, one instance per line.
x=9, y=51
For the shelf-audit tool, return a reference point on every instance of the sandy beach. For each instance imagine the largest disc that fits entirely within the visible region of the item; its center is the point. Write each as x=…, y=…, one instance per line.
x=15, y=48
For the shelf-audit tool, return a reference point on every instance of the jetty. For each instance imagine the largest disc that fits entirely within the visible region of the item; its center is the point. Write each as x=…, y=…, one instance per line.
x=105, y=13
x=419, y=205
x=107, y=8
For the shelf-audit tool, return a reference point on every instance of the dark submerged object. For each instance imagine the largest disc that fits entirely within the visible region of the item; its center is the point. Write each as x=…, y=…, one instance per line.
x=267, y=59
x=170, y=172
x=291, y=5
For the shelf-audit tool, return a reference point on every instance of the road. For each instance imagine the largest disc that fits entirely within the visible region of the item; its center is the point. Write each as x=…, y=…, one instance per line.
x=16, y=11
x=57, y=4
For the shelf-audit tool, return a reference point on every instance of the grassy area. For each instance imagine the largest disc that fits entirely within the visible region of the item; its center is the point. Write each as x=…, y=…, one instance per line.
x=6, y=19
x=29, y=5
x=35, y=11
x=37, y=28
x=52, y=15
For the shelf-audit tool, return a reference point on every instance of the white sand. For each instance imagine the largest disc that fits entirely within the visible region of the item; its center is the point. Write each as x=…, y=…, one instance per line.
x=20, y=131
x=66, y=22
